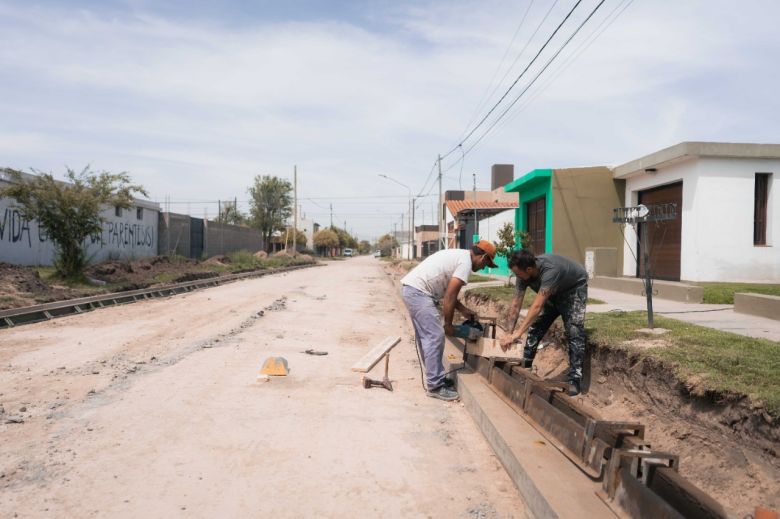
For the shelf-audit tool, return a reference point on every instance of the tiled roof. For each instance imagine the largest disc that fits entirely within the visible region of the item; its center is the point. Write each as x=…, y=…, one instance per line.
x=456, y=206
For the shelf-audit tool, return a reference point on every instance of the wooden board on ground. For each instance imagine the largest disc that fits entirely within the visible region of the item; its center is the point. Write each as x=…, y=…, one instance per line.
x=487, y=347
x=376, y=354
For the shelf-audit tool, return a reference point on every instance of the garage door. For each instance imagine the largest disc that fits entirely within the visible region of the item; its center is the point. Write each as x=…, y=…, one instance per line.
x=664, y=237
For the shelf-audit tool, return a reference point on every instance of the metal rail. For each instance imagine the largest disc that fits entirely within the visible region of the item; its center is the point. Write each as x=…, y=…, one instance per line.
x=637, y=482
x=37, y=313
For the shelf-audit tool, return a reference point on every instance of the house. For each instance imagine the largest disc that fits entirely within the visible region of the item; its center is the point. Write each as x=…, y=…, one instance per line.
x=727, y=226
x=426, y=240
x=569, y=210
x=465, y=209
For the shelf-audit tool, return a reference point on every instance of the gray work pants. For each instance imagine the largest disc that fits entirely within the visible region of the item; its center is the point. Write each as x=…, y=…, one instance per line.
x=428, y=332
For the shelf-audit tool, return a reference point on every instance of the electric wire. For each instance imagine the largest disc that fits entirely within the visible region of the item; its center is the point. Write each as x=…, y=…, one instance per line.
x=517, y=80
x=485, y=96
x=585, y=45
x=517, y=98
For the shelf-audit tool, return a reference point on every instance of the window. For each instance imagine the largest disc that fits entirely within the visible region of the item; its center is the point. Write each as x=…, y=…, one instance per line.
x=760, y=208
x=118, y=211
x=139, y=213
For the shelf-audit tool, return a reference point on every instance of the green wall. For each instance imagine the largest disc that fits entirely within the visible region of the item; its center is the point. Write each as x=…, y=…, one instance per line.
x=529, y=187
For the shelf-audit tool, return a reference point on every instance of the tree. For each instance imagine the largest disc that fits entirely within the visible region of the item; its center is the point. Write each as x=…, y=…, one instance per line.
x=507, y=239
x=270, y=205
x=386, y=244
x=229, y=214
x=287, y=235
x=364, y=247
x=70, y=212
x=345, y=239
x=326, y=239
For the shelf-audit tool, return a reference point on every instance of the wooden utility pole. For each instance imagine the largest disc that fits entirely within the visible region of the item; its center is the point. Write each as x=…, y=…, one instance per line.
x=442, y=240
x=295, y=208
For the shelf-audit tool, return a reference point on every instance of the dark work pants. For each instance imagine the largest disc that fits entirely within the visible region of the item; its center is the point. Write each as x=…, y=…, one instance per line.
x=570, y=306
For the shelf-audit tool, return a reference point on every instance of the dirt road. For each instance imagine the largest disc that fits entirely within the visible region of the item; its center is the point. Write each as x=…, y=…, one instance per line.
x=153, y=410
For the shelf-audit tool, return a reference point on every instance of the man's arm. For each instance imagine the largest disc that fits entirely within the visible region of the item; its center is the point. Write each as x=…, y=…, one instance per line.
x=530, y=317
x=514, y=310
x=450, y=302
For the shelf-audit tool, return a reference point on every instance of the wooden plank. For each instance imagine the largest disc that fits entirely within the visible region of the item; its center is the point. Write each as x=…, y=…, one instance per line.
x=376, y=354
x=487, y=347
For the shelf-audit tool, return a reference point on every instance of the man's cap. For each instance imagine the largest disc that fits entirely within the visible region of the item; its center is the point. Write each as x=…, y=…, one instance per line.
x=489, y=249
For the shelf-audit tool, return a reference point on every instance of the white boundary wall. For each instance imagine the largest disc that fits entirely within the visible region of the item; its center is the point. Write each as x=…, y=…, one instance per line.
x=489, y=227
x=717, y=219
x=22, y=242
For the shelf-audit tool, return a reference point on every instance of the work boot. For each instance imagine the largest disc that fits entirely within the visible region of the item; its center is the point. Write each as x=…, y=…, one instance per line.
x=574, y=388
x=449, y=383
x=442, y=393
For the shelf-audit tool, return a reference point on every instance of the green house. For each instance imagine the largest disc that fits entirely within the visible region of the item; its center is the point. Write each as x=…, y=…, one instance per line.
x=568, y=210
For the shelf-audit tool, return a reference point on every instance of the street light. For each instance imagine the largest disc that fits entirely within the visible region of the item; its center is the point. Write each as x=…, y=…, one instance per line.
x=411, y=210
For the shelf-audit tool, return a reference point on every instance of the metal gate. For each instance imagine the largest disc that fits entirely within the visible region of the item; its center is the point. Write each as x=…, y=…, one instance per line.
x=196, y=238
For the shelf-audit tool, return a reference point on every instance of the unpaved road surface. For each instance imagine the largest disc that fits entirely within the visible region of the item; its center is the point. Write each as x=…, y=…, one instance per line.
x=153, y=410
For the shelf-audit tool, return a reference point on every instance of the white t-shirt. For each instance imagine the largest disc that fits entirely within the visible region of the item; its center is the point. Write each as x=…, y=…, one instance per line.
x=435, y=272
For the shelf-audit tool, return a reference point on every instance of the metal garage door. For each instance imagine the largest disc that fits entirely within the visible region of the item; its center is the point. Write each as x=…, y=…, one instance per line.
x=664, y=237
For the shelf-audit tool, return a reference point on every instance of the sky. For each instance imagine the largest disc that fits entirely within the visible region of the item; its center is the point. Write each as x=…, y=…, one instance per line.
x=194, y=99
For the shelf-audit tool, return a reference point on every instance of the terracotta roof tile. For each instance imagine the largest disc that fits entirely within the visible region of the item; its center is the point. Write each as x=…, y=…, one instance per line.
x=456, y=206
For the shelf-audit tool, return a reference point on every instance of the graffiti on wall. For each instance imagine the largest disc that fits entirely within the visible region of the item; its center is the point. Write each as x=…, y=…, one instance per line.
x=14, y=228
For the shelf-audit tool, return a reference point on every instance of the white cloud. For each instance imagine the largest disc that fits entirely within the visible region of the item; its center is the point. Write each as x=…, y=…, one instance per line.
x=194, y=110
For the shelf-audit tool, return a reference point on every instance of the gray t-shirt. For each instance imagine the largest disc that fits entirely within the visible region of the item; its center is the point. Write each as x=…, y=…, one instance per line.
x=557, y=274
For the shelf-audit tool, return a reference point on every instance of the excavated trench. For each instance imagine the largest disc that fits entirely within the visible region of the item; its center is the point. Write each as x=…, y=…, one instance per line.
x=728, y=446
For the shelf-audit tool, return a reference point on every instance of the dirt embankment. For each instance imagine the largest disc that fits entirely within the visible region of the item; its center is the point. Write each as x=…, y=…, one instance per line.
x=23, y=286
x=727, y=446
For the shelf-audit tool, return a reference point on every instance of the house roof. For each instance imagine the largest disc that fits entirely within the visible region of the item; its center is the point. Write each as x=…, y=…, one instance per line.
x=691, y=149
x=529, y=179
x=456, y=206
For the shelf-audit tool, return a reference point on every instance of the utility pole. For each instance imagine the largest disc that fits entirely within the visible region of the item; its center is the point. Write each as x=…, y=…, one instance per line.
x=442, y=240
x=475, y=238
x=295, y=208
x=413, y=252
x=331, y=216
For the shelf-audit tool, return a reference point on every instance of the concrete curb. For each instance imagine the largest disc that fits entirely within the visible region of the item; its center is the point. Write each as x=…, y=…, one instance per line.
x=549, y=483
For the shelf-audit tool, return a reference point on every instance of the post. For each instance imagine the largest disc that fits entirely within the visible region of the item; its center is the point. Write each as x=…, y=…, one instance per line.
x=442, y=223
x=414, y=237
x=476, y=225
x=648, y=278
x=331, y=216
x=295, y=209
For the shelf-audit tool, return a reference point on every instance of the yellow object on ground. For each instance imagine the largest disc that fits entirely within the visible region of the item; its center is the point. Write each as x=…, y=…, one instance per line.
x=275, y=366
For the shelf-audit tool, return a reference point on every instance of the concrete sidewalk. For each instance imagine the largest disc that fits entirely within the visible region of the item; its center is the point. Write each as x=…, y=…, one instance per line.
x=719, y=317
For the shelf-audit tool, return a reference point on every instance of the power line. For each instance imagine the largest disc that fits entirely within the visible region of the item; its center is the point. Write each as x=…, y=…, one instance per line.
x=514, y=83
x=485, y=97
x=517, y=98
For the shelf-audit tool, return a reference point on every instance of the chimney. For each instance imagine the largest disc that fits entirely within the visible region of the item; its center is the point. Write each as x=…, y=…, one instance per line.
x=501, y=175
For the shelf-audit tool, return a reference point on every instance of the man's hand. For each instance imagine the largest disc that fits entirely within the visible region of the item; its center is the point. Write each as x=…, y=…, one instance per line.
x=506, y=342
x=449, y=330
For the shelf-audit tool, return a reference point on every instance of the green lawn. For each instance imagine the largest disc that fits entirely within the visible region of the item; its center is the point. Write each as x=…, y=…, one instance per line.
x=704, y=358
x=723, y=293
x=710, y=359
x=505, y=295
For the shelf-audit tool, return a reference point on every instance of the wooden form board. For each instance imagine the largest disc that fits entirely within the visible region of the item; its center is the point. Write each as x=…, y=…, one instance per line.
x=376, y=354
x=487, y=347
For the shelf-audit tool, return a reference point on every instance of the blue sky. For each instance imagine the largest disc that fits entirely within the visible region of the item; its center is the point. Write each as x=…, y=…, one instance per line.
x=195, y=98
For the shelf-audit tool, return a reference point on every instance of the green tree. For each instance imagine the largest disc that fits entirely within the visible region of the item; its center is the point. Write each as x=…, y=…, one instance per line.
x=270, y=205
x=325, y=240
x=70, y=212
x=229, y=214
x=287, y=235
x=386, y=244
x=346, y=240
x=364, y=247
x=508, y=238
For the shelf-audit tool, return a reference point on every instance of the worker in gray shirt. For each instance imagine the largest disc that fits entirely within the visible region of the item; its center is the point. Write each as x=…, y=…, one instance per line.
x=561, y=287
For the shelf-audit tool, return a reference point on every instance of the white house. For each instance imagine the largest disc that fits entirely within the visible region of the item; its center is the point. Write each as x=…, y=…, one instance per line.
x=728, y=224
